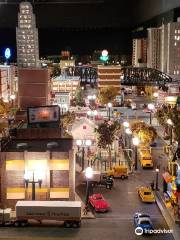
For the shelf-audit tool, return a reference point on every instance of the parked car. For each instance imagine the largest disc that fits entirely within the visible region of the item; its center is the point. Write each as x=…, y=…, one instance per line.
x=107, y=181
x=98, y=202
x=133, y=106
x=146, y=194
x=154, y=144
x=143, y=220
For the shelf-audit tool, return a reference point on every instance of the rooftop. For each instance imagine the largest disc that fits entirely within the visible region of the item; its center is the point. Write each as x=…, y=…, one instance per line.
x=53, y=145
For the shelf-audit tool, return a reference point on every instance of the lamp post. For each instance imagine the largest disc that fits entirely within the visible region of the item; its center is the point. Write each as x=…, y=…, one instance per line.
x=126, y=125
x=92, y=113
x=129, y=133
x=91, y=98
x=170, y=123
x=89, y=175
x=83, y=144
x=12, y=97
x=157, y=178
x=136, y=142
x=150, y=107
x=109, y=110
x=33, y=182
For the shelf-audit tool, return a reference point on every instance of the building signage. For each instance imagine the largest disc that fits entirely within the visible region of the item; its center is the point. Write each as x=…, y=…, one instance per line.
x=43, y=114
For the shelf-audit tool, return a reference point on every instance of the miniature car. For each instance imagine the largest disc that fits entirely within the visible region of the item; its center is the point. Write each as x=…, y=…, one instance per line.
x=154, y=144
x=98, y=202
x=143, y=220
x=146, y=194
x=107, y=181
x=118, y=172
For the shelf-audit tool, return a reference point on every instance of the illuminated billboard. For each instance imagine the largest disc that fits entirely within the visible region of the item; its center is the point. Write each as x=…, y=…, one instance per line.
x=43, y=114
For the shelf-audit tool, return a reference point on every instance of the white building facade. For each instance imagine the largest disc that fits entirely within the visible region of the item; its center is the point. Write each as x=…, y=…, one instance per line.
x=27, y=37
x=173, y=51
x=139, y=57
x=154, y=48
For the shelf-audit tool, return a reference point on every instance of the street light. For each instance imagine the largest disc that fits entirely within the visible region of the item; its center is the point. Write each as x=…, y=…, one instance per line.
x=83, y=144
x=136, y=142
x=157, y=178
x=155, y=94
x=109, y=110
x=128, y=132
x=92, y=113
x=126, y=124
x=27, y=177
x=170, y=123
x=88, y=175
x=150, y=107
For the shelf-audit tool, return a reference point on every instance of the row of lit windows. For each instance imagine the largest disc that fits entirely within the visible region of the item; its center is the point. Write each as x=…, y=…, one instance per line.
x=177, y=31
x=25, y=21
x=25, y=16
x=24, y=6
x=176, y=72
x=27, y=32
x=25, y=12
x=25, y=26
x=177, y=38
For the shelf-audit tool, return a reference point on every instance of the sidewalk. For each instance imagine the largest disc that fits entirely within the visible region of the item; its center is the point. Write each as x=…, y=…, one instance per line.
x=168, y=216
x=89, y=214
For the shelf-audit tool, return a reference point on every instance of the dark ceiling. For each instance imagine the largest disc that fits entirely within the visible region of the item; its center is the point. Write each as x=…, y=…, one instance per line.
x=72, y=13
x=86, y=13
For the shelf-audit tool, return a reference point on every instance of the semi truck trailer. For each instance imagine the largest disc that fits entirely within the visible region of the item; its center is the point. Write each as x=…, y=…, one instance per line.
x=67, y=211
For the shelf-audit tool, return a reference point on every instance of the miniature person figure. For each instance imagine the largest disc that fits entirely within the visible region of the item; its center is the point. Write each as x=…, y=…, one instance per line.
x=152, y=185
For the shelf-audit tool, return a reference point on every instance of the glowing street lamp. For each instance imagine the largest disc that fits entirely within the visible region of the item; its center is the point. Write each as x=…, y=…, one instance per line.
x=135, y=142
x=83, y=144
x=151, y=108
x=155, y=94
x=170, y=123
x=88, y=175
x=129, y=133
x=109, y=109
x=157, y=178
x=126, y=124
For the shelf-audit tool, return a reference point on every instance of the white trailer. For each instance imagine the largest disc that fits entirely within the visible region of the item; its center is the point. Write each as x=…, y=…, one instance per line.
x=67, y=211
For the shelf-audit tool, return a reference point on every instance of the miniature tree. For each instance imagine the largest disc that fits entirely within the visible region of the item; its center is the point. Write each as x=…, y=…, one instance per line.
x=107, y=94
x=106, y=133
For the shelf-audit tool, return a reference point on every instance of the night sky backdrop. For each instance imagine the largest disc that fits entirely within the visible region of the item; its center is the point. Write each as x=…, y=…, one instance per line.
x=83, y=25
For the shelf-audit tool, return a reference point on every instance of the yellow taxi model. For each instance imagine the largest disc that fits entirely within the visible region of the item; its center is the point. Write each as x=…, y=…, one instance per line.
x=118, y=172
x=146, y=194
x=145, y=158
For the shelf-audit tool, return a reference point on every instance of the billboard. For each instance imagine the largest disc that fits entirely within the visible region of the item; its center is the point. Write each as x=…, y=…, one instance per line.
x=43, y=114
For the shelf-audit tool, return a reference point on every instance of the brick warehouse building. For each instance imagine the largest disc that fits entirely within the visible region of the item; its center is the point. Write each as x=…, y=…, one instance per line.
x=48, y=156
x=109, y=76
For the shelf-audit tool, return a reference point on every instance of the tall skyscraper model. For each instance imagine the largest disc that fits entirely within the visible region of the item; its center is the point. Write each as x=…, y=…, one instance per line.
x=27, y=37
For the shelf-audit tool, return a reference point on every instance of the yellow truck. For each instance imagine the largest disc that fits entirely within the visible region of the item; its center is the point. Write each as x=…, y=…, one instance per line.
x=118, y=172
x=145, y=158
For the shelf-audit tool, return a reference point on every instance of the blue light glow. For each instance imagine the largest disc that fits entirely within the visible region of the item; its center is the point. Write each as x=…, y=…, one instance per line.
x=7, y=53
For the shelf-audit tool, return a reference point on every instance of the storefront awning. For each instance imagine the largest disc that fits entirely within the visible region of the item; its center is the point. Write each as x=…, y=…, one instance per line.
x=167, y=177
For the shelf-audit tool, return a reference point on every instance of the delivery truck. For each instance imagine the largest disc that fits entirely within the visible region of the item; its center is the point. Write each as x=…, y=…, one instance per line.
x=67, y=211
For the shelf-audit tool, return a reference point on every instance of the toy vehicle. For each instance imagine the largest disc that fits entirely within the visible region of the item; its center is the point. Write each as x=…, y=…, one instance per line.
x=118, y=172
x=67, y=211
x=100, y=179
x=98, y=202
x=133, y=106
x=146, y=194
x=154, y=144
x=106, y=181
x=145, y=158
x=143, y=221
